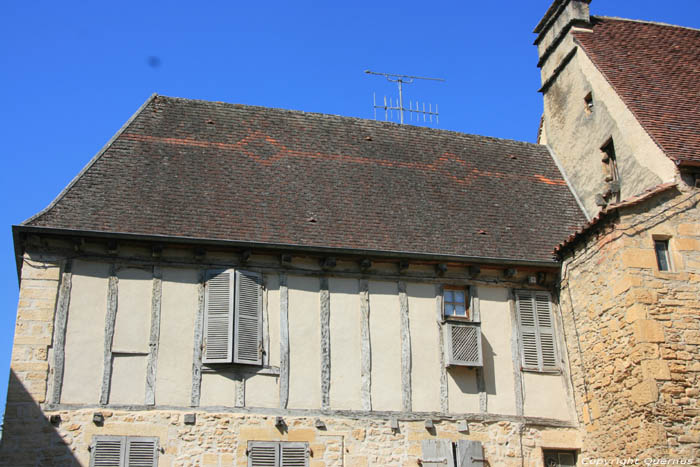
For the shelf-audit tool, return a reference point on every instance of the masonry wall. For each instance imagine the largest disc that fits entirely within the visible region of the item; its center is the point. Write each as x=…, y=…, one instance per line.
x=633, y=332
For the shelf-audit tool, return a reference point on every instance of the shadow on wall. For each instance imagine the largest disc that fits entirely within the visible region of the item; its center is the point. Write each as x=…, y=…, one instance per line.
x=29, y=439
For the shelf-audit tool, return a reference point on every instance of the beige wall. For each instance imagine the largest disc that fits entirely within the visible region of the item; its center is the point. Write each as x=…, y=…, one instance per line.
x=222, y=386
x=82, y=377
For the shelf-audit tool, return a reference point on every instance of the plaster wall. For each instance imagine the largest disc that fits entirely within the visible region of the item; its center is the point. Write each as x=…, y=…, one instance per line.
x=133, y=319
x=178, y=305
x=82, y=378
x=385, y=334
x=576, y=135
x=128, y=379
x=425, y=348
x=304, y=342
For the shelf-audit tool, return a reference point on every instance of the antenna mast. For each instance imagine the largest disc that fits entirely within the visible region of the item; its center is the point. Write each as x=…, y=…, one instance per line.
x=400, y=80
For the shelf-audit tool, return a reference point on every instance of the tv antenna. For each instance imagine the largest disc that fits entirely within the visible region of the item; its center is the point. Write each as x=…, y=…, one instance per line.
x=397, y=106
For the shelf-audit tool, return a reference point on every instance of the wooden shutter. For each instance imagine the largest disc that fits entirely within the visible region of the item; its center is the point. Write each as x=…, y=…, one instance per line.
x=107, y=451
x=463, y=343
x=294, y=454
x=537, y=343
x=141, y=452
x=545, y=328
x=437, y=453
x=218, y=317
x=263, y=454
x=248, y=312
x=470, y=453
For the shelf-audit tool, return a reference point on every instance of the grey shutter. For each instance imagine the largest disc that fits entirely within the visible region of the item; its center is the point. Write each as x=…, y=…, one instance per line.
x=294, y=455
x=437, y=453
x=529, y=345
x=545, y=328
x=248, y=311
x=470, y=453
x=263, y=454
x=463, y=344
x=218, y=317
x=141, y=452
x=107, y=451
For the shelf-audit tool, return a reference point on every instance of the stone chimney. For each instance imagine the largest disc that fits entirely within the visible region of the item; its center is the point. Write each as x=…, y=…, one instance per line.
x=552, y=33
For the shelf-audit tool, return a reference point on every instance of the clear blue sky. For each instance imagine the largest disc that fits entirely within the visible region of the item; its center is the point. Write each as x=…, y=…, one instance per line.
x=72, y=73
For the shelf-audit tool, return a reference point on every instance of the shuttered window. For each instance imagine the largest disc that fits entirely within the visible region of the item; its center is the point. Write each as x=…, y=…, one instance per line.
x=124, y=451
x=277, y=454
x=537, y=342
x=233, y=317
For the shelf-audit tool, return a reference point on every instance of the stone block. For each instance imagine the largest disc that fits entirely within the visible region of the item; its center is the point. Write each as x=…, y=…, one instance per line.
x=638, y=258
x=687, y=244
x=648, y=330
x=692, y=337
x=302, y=434
x=636, y=312
x=624, y=283
x=39, y=270
x=689, y=230
x=645, y=392
x=357, y=461
x=655, y=369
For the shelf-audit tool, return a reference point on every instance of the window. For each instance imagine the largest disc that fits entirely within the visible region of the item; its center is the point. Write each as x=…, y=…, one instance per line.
x=233, y=317
x=610, y=161
x=446, y=453
x=663, y=259
x=454, y=302
x=559, y=458
x=589, y=102
x=124, y=451
x=537, y=343
x=277, y=454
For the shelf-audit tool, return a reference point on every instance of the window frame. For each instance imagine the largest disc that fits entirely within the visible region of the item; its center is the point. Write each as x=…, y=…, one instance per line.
x=666, y=243
x=468, y=315
x=124, y=448
x=279, y=450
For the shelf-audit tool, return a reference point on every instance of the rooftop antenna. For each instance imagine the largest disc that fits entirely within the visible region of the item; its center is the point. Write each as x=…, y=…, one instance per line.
x=413, y=107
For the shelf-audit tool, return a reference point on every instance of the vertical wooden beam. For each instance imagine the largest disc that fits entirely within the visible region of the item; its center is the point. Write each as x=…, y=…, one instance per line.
x=406, y=363
x=197, y=351
x=284, y=341
x=240, y=391
x=154, y=338
x=325, y=344
x=366, y=347
x=480, y=378
x=110, y=319
x=444, y=396
x=515, y=351
x=60, y=324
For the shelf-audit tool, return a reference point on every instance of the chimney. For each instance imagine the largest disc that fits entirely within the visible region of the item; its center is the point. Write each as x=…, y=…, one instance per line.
x=553, y=28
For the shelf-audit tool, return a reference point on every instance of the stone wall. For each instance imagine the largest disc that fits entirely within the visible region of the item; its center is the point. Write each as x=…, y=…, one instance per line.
x=220, y=439
x=633, y=332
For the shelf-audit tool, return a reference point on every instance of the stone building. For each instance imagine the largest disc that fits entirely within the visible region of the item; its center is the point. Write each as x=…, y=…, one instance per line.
x=236, y=285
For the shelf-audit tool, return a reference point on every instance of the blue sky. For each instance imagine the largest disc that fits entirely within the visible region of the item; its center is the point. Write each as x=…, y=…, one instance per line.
x=72, y=73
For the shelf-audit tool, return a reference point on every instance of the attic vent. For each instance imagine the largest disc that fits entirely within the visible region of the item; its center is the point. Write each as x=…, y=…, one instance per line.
x=463, y=344
x=589, y=102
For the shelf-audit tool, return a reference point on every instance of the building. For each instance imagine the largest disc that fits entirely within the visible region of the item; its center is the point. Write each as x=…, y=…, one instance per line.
x=235, y=285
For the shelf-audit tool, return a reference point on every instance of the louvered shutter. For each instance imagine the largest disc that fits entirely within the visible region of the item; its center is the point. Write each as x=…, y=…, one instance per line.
x=470, y=453
x=141, y=452
x=537, y=343
x=218, y=317
x=247, y=342
x=294, y=455
x=463, y=344
x=107, y=451
x=545, y=328
x=263, y=454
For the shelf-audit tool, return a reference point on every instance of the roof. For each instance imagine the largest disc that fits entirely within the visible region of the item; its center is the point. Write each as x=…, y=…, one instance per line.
x=655, y=69
x=209, y=170
x=611, y=208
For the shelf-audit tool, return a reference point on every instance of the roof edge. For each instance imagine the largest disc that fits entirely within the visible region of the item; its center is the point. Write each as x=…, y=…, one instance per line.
x=19, y=229
x=657, y=23
x=566, y=179
x=92, y=161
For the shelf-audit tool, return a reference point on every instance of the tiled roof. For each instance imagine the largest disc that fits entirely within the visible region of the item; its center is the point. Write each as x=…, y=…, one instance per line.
x=206, y=170
x=655, y=68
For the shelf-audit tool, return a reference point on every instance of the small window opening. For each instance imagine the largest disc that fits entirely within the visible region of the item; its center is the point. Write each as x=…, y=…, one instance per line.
x=559, y=458
x=589, y=102
x=455, y=303
x=663, y=259
x=610, y=161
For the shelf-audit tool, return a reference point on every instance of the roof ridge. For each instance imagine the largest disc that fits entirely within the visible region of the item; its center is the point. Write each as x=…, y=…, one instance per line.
x=92, y=161
x=357, y=119
x=656, y=23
